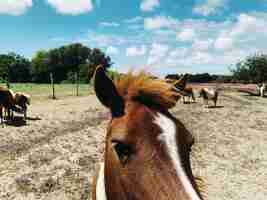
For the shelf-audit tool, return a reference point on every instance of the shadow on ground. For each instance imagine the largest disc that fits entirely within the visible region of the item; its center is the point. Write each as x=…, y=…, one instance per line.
x=19, y=121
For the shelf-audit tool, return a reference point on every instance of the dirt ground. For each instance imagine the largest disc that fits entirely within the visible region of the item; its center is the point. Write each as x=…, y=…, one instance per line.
x=53, y=155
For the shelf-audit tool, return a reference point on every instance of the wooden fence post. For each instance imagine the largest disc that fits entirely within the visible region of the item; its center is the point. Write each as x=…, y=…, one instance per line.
x=77, y=83
x=7, y=83
x=52, y=85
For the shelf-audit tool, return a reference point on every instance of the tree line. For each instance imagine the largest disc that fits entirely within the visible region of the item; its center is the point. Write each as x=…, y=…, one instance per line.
x=76, y=63
x=253, y=69
x=203, y=78
x=67, y=63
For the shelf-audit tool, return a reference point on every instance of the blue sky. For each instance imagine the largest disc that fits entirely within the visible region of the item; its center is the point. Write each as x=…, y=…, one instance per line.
x=167, y=36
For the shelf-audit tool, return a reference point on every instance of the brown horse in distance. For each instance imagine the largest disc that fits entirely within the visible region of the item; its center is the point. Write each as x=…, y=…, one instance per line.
x=209, y=94
x=188, y=92
x=22, y=100
x=6, y=102
x=147, y=150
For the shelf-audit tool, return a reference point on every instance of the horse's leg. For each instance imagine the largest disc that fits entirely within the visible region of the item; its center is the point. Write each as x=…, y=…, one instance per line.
x=1, y=115
x=9, y=113
x=193, y=97
x=25, y=114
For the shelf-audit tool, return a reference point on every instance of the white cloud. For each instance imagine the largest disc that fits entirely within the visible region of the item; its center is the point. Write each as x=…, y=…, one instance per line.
x=136, y=51
x=209, y=7
x=179, y=52
x=248, y=30
x=160, y=22
x=249, y=24
x=201, y=58
x=149, y=5
x=186, y=35
x=109, y=24
x=104, y=40
x=202, y=45
x=111, y=50
x=223, y=43
x=72, y=7
x=212, y=45
x=157, y=53
x=177, y=55
x=135, y=23
x=15, y=7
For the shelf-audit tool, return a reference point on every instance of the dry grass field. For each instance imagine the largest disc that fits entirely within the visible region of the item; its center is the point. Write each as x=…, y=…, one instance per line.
x=53, y=155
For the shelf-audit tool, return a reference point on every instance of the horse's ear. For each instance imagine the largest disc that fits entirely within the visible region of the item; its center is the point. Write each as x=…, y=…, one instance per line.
x=107, y=93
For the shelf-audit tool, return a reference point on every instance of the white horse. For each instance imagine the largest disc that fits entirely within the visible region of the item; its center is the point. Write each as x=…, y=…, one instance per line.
x=209, y=94
x=262, y=88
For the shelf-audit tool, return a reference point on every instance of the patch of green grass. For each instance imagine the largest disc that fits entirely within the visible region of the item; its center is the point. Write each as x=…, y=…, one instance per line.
x=41, y=92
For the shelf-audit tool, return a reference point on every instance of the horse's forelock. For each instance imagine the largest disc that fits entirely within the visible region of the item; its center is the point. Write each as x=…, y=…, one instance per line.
x=143, y=88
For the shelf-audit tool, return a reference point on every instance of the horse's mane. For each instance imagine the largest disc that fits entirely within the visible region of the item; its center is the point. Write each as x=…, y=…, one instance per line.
x=151, y=92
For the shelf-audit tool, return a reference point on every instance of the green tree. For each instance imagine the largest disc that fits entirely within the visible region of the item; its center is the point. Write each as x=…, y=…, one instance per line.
x=97, y=57
x=6, y=60
x=20, y=69
x=14, y=68
x=252, y=69
x=39, y=67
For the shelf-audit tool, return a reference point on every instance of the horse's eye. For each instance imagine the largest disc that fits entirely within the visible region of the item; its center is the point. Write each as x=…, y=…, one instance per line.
x=123, y=151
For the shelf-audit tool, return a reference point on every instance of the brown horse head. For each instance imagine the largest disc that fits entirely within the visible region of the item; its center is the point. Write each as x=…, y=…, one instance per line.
x=22, y=99
x=181, y=83
x=147, y=152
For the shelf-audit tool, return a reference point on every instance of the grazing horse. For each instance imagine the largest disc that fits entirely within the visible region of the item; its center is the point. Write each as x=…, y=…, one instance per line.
x=209, y=94
x=22, y=100
x=147, y=150
x=6, y=102
x=181, y=83
x=188, y=92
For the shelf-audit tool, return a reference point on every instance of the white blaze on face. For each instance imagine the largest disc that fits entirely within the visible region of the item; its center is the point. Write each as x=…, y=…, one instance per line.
x=168, y=137
x=100, y=184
